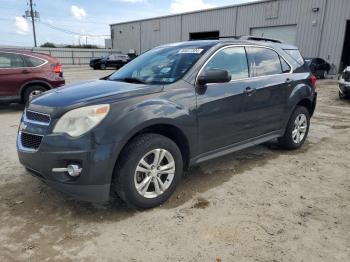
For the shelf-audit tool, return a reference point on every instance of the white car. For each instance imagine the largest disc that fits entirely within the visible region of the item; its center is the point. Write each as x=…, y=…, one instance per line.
x=344, y=84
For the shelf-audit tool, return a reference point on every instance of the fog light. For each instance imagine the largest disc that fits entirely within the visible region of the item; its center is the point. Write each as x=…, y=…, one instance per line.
x=72, y=170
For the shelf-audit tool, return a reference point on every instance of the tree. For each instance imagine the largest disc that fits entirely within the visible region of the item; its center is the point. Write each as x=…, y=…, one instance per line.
x=48, y=44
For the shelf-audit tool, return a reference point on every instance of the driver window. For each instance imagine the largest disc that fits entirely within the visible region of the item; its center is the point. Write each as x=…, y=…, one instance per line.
x=232, y=59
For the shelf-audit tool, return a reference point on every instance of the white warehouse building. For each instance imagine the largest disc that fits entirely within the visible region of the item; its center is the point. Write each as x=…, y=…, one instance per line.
x=320, y=28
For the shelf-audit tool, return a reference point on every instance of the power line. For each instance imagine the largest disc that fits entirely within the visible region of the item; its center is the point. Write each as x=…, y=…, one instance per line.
x=67, y=31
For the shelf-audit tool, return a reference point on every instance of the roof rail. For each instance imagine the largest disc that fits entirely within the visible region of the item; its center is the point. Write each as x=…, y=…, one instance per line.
x=258, y=38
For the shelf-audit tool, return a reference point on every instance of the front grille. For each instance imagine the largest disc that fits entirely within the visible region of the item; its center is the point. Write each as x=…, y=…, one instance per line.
x=30, y=141
x=38, y=117
x=346, y=76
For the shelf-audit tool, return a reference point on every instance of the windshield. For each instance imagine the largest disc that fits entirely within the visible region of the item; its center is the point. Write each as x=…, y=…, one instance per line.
x=161, y=65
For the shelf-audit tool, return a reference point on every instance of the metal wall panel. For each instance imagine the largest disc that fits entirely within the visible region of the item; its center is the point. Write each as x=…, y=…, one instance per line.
x=320, y=25
x=69, y=56
x=160, y=31
x=222, y=20
x=126, y=37
x=333, y=35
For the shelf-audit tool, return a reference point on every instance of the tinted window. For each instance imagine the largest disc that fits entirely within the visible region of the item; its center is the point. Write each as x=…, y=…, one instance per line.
x=233, y=60
x=32, y=61
x=9, y=60
x=319, y=61
x=295, y=54
x=263, y=61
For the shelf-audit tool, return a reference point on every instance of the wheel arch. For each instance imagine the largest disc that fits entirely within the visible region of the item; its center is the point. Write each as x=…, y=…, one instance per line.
x=42, y=83
x=166, y=129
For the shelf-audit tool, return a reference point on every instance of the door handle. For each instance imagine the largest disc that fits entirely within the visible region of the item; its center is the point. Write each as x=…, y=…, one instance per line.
x=249, y=91
x=25, y=72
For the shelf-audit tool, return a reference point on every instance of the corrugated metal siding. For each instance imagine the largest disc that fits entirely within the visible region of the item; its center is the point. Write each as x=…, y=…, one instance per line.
x=222, y=20
x=69, y=56
x=331, y=46
x=126, y=37
x=162, y=31
x=318, y=33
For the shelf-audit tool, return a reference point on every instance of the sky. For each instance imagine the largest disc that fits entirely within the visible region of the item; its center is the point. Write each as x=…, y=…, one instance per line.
x=74, y=21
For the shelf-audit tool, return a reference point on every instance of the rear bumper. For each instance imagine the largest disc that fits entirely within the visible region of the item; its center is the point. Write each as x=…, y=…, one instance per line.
x=58, y=83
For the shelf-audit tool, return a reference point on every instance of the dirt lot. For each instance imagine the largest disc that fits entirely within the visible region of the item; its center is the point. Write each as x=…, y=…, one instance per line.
x=261, y=204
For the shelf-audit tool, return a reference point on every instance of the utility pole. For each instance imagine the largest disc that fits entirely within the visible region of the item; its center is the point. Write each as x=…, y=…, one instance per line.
x=33, y=23
x=33, y=15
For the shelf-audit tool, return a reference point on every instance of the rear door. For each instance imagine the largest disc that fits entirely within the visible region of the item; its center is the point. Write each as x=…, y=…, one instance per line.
x=221, y=111
x=12, y=73
x=269, y=82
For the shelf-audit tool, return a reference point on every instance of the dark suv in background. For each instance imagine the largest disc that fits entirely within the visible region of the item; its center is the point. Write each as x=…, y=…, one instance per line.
x=135, y=131
x=24, y=74
x=115, y=61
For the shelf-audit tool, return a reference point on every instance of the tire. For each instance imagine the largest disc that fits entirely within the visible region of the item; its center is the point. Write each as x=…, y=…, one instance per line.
x=126, y=179
x=31, y=91
x=343, y=96
x=296, y=134
x=103, y=66
x=324, y=75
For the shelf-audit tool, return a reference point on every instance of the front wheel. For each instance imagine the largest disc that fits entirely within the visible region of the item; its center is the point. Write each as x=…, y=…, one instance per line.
x=343, y=96
x=297, y=129
x=148, y=171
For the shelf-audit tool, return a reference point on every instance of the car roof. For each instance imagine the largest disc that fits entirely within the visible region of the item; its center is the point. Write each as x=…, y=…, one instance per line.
x=27, y=52
x=211, y=43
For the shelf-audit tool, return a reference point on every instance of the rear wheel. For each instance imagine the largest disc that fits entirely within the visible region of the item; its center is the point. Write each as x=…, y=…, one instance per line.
x=297, y=129
x=324, y=74
x=32, y=91
x=148, y=171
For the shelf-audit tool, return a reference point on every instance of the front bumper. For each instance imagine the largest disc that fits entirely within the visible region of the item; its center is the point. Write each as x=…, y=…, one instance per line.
x=344, y=87
x=58, y=151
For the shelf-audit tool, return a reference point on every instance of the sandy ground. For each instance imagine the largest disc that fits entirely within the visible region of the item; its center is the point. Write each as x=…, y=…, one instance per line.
x=260, y=204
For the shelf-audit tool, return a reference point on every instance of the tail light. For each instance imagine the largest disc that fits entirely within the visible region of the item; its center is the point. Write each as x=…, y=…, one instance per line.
x=57, y=69
x=313, y=81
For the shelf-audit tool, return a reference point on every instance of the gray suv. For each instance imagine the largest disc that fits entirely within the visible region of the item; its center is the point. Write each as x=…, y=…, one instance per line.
x=136, y=131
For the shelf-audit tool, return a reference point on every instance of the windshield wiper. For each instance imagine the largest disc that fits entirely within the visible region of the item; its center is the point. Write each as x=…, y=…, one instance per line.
x=130, y=80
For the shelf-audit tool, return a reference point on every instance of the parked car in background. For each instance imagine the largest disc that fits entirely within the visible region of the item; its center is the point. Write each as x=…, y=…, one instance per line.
x=24, y=74
x=344, y=84
x=136, y=131
x=114, y=60
x=318, y=66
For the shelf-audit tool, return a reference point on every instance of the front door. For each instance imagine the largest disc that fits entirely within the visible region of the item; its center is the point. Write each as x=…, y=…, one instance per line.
x=221, y=107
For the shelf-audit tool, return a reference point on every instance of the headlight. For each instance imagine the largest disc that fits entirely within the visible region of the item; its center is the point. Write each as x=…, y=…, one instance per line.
x=81, y=120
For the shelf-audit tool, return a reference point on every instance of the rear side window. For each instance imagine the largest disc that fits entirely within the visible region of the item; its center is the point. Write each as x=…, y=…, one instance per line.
x=232, y=59
x=10, y=60
x=263, y=61
x=32, y=61
x=295, y=54
x=285, y=67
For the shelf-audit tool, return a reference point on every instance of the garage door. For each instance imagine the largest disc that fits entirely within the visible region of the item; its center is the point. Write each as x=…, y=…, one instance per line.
x=286, y=33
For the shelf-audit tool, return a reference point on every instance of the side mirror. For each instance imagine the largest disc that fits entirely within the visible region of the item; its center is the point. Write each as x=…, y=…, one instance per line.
x=213, y=76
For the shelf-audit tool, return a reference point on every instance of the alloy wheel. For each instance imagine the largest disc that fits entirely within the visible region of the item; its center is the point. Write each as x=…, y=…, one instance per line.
x=300, y=128
x=154, y=173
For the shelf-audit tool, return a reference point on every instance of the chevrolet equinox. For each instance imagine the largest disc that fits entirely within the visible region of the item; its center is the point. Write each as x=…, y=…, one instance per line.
x=136, y=131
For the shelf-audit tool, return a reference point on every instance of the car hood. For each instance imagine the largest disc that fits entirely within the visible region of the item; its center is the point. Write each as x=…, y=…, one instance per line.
x=89, y=92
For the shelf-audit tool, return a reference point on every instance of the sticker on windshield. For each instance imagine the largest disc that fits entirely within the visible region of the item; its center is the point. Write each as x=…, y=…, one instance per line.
x=190, y=51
